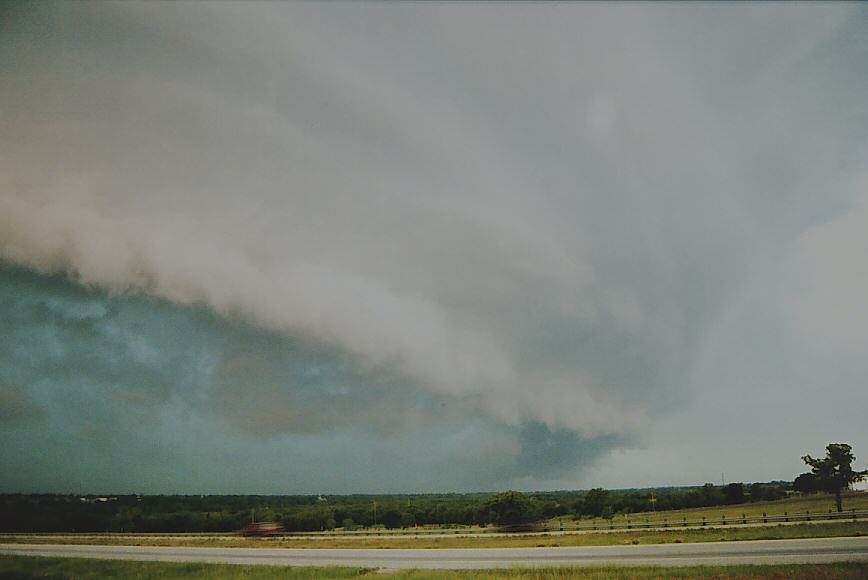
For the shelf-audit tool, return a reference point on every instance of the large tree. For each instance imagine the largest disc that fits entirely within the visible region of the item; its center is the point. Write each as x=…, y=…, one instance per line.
x=594, y=502
x=833, y=473
x=509, y=507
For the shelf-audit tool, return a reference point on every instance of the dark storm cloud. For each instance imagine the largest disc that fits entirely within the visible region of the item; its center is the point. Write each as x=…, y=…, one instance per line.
x=144, y=353
x=135, y=387
x=530, y=226
x=550, y=454
x=16, y=405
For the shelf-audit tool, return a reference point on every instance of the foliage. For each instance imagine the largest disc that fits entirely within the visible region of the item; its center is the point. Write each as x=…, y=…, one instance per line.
x=224, y=513
x=595, y=502
x=766, y=492
x=806, y=483
x=833, y=473
x=391, y=518
x=312, y=519
x=509, y=507
x=734, y=493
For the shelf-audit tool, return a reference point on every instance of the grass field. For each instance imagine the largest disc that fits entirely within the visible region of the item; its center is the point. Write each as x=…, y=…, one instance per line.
x=815, y=503
x=26, y=567
x=814, y=530
x=819, y=503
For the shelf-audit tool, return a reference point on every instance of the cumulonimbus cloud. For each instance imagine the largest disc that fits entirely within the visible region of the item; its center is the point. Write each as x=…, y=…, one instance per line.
x=546, y=227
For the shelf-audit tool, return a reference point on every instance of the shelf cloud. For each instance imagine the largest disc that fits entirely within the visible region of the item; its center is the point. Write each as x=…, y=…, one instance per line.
x=513, y=230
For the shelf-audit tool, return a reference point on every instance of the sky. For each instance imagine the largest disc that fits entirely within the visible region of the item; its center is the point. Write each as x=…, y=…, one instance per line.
x=435, y=247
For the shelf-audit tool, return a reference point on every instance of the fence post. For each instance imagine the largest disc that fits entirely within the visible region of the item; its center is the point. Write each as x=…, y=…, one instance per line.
x=703, y=521
x=808, y=515
x=853, y=513
x=743, y=519
x=786, y=517
x=765, y=518
x=723, y=519
x=684, y=521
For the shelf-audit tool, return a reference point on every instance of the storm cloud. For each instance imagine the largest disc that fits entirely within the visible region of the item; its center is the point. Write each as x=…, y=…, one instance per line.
x=513, y=237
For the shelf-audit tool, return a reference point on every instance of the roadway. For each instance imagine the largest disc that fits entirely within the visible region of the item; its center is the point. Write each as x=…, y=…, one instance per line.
x=711, y=553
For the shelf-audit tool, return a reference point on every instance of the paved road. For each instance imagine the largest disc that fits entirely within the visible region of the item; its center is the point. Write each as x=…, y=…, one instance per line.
x=755, y=552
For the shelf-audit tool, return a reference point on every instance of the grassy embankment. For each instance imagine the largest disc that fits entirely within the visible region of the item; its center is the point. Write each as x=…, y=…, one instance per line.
x=818, y=530
x=27, y=567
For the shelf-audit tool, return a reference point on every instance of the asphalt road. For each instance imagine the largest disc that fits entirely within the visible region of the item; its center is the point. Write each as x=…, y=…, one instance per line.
x=753, y=552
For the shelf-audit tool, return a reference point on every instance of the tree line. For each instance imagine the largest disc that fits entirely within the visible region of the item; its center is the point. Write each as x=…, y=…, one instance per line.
x=224, y=513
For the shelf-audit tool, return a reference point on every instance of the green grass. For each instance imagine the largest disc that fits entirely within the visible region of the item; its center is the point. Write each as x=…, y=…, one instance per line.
x=814, y=503
x=843, y=571
x=675, y=535
x=28, y=567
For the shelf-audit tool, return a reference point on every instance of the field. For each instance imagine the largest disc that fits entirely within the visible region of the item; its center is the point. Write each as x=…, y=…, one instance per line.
x=25, y=568
x=772, y=532
x=58, y=568
x=816, y=503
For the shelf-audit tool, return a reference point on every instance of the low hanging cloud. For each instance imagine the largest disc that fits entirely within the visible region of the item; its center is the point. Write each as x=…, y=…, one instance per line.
x=532, y=214
x=16, y=405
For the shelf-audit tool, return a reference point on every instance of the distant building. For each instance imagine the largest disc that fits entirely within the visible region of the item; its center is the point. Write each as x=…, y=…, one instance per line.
x=861, y=485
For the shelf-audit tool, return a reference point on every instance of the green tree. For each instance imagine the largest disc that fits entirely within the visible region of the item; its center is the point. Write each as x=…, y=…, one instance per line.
x=806, y=483
x=711, y=495
x=595, y=502
x=734, y=493
x=408, y=517
x=391, y=518
x=833, y=473
x=509, y=507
